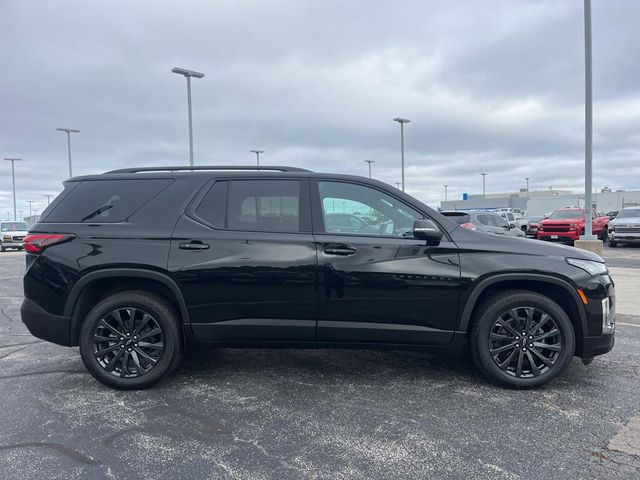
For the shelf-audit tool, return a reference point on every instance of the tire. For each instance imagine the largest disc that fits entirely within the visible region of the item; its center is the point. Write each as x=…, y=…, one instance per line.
x=486, y=329
x=612, y=244
x=140, y=370
x=2, y=249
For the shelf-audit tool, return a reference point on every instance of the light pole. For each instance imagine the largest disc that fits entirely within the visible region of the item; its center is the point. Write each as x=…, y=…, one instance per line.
x=68, y=131
x=188, y=74
x=484, y=191
x=398, y=185
x=13, y=179
x=588, y=125
x=401, y=121
x=445, y=191
x=48, y=198
x=30, y=202
x=20, y=216
x=527, y=179
x=257, y=152
x=370, y=162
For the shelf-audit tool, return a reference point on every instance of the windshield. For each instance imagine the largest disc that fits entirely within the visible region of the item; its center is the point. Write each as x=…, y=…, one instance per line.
x=535, y=219
x=563, y=214
x=629, y=212
x=14, y=227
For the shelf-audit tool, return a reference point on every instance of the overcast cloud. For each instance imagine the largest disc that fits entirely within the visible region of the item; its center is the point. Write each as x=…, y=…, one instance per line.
x=493, y=86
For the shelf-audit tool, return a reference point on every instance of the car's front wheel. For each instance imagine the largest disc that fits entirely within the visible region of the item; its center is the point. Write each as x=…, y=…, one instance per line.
x=522, y=339
x=131, y=340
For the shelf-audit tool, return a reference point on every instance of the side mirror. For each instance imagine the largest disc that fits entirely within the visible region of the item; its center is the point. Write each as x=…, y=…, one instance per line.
x=427, y=230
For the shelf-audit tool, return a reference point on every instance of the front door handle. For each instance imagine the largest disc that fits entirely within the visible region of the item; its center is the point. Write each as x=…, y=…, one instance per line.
x=193, y=245
x=339, y=250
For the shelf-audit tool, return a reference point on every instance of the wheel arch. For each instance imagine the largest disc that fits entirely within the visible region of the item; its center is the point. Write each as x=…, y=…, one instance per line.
x=559, y=290
x=96, y=285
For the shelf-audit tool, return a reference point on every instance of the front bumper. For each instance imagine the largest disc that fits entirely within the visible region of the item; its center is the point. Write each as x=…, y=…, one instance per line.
x=624, y=237
x=594, y=346
x=558, y=236
x=600, y=310
x=11, y=244
x=44, y=325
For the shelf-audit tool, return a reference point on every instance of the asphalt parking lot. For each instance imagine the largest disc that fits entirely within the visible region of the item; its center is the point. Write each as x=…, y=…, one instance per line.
x=317, y=413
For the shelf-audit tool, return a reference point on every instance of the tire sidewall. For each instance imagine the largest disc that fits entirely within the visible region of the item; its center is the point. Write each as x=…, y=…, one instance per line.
x=494, y=310
x=166, y=318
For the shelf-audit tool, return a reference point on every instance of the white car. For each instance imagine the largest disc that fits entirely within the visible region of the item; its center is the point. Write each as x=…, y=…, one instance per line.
x=12, y=234
x=625, y=228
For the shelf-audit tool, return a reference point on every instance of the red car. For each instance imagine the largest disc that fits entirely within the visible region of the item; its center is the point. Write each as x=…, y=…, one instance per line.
x=567, y=224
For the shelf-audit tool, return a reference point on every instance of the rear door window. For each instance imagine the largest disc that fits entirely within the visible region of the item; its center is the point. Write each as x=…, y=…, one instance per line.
x=105, y=201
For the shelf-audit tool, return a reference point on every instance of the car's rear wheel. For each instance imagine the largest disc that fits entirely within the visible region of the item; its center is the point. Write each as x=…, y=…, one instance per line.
x=522, y=339
x=131, y=340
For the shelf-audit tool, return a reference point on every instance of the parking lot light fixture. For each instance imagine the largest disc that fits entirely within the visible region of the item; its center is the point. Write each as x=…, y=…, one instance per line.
x=257, y=152
x=68, y=131
x=398, y=185
x=30, y=202
x=527, y=180
x=48, y=198
x=402, y=121
x=370, y=162
x=13, y=180
x=484, y=191
x=188, y=74
x=445, y=191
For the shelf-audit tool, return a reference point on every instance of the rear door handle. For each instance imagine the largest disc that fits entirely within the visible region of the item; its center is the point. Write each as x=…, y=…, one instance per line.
x=343, y=250
x=193, y=245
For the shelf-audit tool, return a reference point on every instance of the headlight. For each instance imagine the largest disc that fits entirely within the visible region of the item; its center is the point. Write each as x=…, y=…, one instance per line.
x=589, y=266
x=6, y=238
x=612, y=228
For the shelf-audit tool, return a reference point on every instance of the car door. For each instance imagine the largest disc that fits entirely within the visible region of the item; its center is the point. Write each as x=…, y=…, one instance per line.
x=380, y=284
x=245, y=260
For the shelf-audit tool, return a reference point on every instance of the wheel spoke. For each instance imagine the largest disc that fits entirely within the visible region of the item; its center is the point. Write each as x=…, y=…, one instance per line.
x=117, y=314
x=110, y=366
x=550, y=333
x=516, y=319
x=546, y=361
x=144, y=355
x=497, y=337
x=507, y=361
x=527, y=324
x=150, y=333
x=532, y=364
x=143, y=323
x=132, y=319
x=101, y=353
x=136, y=361
x=101, y=338
x=519, y=366
x=508, y=327
x=543, y=320
x=556, y=347
x=504, y=348
x=154, y=346
x=124, y=370
x=105, y=324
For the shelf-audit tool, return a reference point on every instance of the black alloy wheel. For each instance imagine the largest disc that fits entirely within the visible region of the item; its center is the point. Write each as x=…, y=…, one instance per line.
x=525, y=342
x=521, y=338
x=128, y=342
x=131, y=340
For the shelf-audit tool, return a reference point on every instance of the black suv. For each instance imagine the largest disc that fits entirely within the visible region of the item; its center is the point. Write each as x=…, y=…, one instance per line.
x=134, y=265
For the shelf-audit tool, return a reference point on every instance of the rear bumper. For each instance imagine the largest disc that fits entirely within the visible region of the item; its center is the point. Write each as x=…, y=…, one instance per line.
x=42, y=324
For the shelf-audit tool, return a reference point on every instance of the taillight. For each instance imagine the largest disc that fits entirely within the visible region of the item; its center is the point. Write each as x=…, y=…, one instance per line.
x=468, y=226
x=37, y=242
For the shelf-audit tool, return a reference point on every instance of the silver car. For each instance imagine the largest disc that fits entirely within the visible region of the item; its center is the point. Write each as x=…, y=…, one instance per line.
x=625, y=228
x=12, y=234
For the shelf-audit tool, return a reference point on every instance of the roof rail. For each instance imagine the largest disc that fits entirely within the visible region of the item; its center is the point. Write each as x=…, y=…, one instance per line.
x=208, y=167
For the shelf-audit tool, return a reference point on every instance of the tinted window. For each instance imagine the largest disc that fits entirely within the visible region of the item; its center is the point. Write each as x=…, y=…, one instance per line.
x=105, y=201
x=264, y=205
x=13, y=227
x=567, y=214
x=488, y=220
x=368, y=211
x=213, y=206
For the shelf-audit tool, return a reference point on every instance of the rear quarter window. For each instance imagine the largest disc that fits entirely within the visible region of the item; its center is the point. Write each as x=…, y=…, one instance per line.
x=105, y=201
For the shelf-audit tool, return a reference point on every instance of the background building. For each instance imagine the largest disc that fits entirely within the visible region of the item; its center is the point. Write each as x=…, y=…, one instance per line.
x=537, y=203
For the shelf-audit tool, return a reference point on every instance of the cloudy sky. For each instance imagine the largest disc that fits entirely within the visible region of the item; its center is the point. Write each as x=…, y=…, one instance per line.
x=493, y=86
